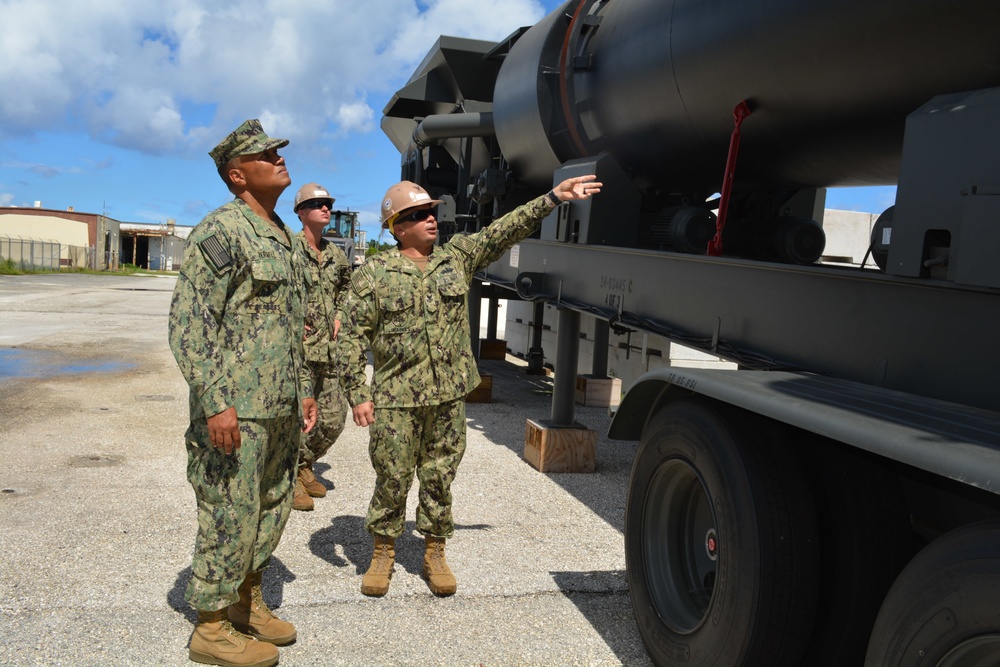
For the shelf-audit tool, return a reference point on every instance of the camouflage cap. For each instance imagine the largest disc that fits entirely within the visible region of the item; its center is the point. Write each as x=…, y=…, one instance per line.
x=247, y=139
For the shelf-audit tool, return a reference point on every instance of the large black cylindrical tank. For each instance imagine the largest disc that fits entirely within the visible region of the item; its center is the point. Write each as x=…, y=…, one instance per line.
x=655, y=83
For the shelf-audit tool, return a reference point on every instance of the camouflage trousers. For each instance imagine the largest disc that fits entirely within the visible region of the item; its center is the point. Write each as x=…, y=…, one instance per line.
x=244, y=499
x=428, y=440
x=332, y=407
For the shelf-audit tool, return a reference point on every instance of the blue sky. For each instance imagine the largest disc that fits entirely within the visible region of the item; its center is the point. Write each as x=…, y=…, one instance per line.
x=111, y=106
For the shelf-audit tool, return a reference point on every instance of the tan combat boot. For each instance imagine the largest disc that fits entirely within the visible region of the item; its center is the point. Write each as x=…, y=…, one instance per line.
x=307, y=479
x=301, y=500
x=251, y=615
x=436, y=571
x=376, y=579
x=215, y=642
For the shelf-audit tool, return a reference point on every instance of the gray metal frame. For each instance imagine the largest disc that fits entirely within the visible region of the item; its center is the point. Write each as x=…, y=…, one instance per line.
x=925, y=337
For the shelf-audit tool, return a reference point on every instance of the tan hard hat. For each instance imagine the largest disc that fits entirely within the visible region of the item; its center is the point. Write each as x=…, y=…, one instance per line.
x=311, y=191
x=402, y=197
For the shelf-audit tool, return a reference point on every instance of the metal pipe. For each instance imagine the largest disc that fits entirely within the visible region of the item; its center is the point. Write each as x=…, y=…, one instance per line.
x=433, y=129
x=564, y=385
x=491, y=318
x=536, y=355
x=602, y=333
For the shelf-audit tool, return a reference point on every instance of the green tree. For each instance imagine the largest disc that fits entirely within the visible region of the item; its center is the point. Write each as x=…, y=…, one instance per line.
x=376, y=247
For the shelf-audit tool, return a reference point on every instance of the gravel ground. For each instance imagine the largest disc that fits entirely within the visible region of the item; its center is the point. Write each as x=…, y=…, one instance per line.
x=97, y=519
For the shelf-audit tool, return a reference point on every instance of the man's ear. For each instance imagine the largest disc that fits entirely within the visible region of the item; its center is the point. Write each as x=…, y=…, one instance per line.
x=236, y=176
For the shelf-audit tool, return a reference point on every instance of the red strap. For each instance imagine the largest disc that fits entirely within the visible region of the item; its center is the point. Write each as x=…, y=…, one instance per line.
x=740, y=113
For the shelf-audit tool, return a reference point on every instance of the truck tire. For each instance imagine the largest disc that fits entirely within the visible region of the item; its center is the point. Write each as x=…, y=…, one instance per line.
x=942, y=609
x=720, y=540
x=865, y=539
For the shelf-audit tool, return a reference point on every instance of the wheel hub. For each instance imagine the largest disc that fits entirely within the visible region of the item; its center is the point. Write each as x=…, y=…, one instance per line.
x=682, y=545
x=712, y=544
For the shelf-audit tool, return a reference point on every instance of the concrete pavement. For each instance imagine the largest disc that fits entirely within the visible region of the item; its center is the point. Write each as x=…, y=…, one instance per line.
x=97, y=519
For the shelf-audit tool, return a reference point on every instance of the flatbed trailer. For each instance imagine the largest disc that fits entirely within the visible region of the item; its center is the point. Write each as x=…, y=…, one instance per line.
x=836, y=499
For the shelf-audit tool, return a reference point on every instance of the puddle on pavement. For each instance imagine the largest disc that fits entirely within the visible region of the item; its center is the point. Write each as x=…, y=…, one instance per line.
x=18, y=363
x=95, y=461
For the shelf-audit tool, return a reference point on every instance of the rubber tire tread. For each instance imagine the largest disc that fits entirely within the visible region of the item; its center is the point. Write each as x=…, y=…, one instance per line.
x=866, y=540
x=765, y=518
x=948, y=593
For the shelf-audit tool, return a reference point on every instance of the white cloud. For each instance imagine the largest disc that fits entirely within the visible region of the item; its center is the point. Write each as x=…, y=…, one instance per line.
x=6, y=198
x=172, y=76
x=481, y=19
x=356, y=116
x=144, y=119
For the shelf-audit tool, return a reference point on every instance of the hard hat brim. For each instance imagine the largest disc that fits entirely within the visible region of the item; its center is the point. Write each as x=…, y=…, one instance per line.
x=402, y=212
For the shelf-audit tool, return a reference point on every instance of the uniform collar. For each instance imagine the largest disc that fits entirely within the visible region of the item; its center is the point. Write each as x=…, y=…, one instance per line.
x=401, y=262
x=262, y=226
x=318, y=257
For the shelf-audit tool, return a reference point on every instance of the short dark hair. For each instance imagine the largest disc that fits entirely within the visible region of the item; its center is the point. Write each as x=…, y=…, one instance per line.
x=224, y=171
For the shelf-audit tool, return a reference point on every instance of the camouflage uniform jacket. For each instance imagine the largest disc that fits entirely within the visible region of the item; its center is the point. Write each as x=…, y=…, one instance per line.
x=417, y=323
x=236, y=317
x=327, y=276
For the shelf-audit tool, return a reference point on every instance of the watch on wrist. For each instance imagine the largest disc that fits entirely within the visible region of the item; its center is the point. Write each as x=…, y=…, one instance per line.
x=551, y=194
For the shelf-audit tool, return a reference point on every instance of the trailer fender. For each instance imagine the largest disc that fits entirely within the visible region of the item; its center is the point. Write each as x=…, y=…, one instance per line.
x=639, y=403
x=947, y=439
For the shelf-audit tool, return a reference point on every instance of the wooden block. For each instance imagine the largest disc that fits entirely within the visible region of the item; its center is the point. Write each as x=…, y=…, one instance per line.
x=550, y=449
x=490, y=348
x=484, y=392
x=598, y=392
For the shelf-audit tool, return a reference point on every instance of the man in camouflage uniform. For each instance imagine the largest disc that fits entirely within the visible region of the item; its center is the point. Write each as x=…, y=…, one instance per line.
x=409, y=306
x=235, y=328
x=327, y=275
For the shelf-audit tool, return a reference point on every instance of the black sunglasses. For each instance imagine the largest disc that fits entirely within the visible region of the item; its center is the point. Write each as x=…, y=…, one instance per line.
x=317, y=203
x=419, y=215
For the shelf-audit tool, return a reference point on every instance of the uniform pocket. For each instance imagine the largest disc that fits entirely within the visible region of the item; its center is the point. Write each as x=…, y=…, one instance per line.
x=451, y=286
x=269, y=278
x=399, y=313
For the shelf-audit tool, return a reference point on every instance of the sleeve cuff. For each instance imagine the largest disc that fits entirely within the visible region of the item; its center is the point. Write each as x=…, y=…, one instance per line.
x=215, y=399
x=359, y=396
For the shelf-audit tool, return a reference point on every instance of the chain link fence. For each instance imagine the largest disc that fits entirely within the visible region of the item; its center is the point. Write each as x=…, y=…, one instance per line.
x=29, y=253
x=38, y=254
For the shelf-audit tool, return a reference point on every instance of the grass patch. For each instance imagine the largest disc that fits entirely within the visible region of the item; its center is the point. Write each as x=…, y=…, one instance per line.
x=9, y=267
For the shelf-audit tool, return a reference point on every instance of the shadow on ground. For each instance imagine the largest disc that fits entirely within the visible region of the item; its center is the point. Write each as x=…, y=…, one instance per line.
x=348, y=531
x=519, y=396
x=272, y=586
x=602, y=598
